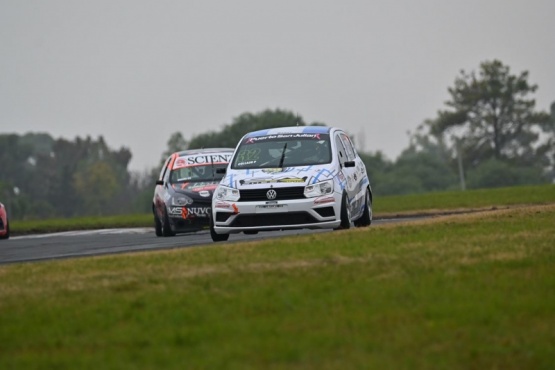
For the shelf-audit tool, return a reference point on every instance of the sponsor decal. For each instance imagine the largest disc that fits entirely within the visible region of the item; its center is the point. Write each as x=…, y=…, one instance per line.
x=252, y=140
x=203, y=186
x=201, y=159
x=245, y=163
x=223, y=205
x=207, y=159
x=268, y=180
x=174, y=211
x=179, y=163
x=192, y=212
x=323, y=200
x=204, y=193
x=272, y=170
x=188, y=212
x=197, y=186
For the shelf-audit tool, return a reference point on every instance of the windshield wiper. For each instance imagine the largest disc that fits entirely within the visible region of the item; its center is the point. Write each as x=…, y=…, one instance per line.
x=282, y=156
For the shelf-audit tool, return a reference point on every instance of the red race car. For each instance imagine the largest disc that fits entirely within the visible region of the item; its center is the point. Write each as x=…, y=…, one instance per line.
x=4, y=226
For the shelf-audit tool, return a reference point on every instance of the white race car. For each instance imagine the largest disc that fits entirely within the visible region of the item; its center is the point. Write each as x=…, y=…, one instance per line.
x=291, y=178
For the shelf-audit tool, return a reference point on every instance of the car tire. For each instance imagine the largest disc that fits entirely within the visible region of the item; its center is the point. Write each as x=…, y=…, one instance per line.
x=166, y=227
x=217, y=237
x=366, y=218
x=157, y=223
x=345, y=214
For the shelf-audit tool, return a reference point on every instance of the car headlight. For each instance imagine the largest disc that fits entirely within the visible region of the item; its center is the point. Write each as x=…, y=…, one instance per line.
x=226, y=193
x=181, y=200
x=319, y=189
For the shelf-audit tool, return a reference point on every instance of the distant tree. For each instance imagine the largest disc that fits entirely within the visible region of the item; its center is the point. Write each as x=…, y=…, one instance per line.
x=142, y=186
x=176, y=143
x=43, y=171
x=96, y=184
x=14, y=160
x=548, y=146
x=493, y=117
x=376, y=165
x=230, y=135
x=495, y=173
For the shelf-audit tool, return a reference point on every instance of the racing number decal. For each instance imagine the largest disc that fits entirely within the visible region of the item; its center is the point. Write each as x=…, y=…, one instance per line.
x=248, y=155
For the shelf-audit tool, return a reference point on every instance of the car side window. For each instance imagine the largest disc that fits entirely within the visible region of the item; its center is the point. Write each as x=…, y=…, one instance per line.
x=351, y=154
x=341, y=152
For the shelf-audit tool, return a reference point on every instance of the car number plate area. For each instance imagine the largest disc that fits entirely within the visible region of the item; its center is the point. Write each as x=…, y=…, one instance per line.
x=271, y=208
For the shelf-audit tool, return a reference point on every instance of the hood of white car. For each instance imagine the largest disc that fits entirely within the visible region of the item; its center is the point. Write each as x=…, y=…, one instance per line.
x=277, y=177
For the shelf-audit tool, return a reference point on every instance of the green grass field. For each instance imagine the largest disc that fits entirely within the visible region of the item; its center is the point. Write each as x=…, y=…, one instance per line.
x=473, y=291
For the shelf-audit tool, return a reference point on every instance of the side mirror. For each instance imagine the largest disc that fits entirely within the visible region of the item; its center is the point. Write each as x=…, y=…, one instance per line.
x=349, y=164
x=159, y=182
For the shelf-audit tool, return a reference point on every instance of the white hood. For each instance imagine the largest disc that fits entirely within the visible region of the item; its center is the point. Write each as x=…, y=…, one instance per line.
x=277, y=177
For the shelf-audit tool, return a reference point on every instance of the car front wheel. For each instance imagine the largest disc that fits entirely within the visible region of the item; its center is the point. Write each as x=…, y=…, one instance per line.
x=366, y=218
x=166, y=227
x=217, y=237
x=157, y=223
x=345, y=214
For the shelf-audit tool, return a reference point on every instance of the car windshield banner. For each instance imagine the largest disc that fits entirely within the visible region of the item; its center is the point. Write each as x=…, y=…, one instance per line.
x=202, y=160
x=285, y=137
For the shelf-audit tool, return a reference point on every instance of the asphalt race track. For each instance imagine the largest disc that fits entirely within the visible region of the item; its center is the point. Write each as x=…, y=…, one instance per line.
x=74, y=244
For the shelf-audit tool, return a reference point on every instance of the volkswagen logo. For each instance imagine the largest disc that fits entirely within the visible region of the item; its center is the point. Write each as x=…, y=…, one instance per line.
x=271, y=194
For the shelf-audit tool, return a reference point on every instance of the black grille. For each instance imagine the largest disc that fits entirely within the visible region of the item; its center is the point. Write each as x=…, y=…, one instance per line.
x=325, y=212
x=222, y=216
x=296, y=192
x=273, y=219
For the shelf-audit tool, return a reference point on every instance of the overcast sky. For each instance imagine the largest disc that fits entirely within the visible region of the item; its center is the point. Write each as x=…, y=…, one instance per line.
x=136, y=71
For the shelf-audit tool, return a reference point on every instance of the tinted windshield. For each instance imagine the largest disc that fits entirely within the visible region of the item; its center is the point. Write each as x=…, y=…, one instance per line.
x=282, y=150
x=197, y=173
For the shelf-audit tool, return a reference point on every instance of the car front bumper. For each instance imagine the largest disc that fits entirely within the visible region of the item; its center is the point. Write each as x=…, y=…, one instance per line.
x=310, y=213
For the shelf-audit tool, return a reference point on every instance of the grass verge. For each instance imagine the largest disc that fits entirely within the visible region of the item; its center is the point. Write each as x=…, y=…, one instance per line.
x=455, y=292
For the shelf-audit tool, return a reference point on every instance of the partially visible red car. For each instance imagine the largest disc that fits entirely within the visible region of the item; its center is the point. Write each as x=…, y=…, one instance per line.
x=4, y=225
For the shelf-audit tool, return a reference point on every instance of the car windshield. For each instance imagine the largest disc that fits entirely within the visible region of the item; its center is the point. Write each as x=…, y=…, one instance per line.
x=282, y=150
x=196, y=173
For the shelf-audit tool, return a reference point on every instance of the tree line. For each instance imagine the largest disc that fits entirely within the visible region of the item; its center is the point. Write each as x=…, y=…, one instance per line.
x=489, y=135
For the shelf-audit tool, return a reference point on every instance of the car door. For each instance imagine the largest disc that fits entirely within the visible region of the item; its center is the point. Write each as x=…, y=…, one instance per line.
x=347, y=167
x=359, y=176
